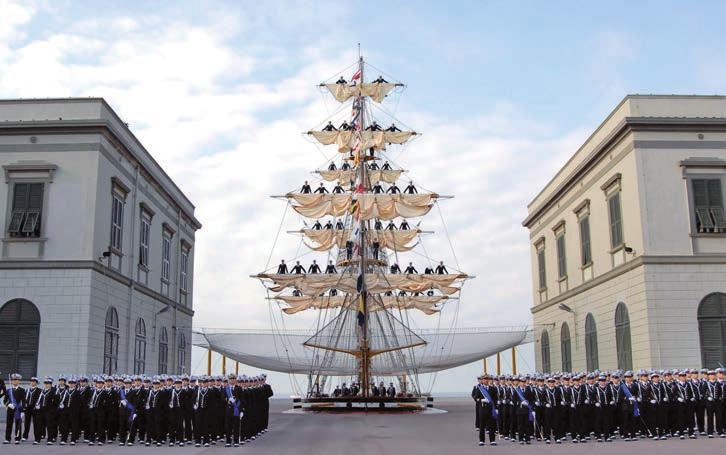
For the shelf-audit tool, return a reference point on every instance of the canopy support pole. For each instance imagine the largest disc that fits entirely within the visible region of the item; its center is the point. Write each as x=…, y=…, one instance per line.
x=514, y=360
x=209, y=362
x=484, y=361
x=224, y=365
x=236, y=368
x=499, y=363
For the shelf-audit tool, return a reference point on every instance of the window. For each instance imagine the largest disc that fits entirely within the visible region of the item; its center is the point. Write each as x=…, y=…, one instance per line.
x=165, y=262
x=110, y=342
x=616, y=222
x=561, y=257
x=566, y=348
x=117, y=221
x=545, y=346
x=708, y=205
x=163, y=351
x=585, y=252
x=541, y=267
x=181, y=354
x=712, y=330
x=27, y=210
x=591, y=343
x=19, y=333
x=144, y=233
x=622, y=337
x=140, y=347
x=183, y=269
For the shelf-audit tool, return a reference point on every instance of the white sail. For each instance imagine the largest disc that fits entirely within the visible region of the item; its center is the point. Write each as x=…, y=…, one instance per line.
x=376, y=91
x=369, y=206
x=396, y=240
x=347, y=140
x=426, y=304
x=374, y=175
x=376, y=283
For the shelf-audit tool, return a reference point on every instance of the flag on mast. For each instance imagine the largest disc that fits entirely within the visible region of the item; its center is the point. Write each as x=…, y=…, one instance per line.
x=356, y=75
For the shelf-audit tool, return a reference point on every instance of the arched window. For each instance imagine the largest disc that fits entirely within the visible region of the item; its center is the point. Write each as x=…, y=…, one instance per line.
x=140, y=347
x=545, y=342
x=591, y=343
x=163, y=351
x=181, y=354
x=712, y=329
x=110, y=342
x=622, y=337
x=19, y=333
x=566, y=348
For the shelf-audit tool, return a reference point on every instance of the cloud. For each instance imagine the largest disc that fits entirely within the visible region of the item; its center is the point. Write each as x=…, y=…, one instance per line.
x=223, y=110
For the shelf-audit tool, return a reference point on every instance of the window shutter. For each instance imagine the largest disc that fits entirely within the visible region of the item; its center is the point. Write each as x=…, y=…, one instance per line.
x=20, y=197
x=715, y=196
x=700, y=198
x=35, y=196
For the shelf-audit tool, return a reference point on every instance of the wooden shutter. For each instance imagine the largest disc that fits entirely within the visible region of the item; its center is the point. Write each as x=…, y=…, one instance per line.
x=561, y=258
x=700, y=197
x=715, y=196
x=20, y=196
x=616, y=234
x=35, y=196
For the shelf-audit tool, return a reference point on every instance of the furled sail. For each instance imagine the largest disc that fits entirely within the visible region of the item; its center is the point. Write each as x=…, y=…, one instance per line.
x=425, y=304
x=397, y=240
x=376, y=283
x=369, y=206
x=346, y=140
x=376, y=91
x=375, y=175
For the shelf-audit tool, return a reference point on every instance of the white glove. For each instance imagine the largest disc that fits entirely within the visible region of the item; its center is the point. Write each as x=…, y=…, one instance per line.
x=563, y=403
x=587, y=401
x=710, y=398
x=652, y=401
x=597, y=405
x=231, y=400
x=124, y=403
x=171, y=405
x=681, y=400
x=631, y=398
x=195, y=407
x=525, y=403
x=639, y=399
x=485, y=400
x=61, y=406
x=612, y=403
x=693, y=399
x=572, y=405
x=536, y=403
x=147, y=407
x=665, y=399
x=548, y=405
x=11, y=406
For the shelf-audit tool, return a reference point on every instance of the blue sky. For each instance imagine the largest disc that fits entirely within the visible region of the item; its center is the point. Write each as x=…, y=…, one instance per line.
x=504, y=93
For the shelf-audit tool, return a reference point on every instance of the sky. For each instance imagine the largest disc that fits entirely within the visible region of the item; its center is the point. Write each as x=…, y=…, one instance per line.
x=503, y=92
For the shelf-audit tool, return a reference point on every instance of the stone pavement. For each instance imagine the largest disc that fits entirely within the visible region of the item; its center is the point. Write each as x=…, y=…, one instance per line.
x=367, y=434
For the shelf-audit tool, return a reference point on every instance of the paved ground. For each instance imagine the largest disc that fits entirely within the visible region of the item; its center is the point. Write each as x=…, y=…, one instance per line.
x=359, y=434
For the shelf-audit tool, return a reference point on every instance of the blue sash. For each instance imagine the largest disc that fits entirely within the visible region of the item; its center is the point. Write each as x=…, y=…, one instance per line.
x=129, y=406
x=228, y=392
x=626, y=391
x=17, y=415
x=521, y=397
x=485, y=392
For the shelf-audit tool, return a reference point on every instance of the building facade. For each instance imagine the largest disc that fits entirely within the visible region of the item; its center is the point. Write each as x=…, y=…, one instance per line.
x=97, y=253
x=628, y=242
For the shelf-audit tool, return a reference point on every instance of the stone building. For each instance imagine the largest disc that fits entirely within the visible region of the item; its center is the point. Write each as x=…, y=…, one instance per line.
x=97, y=253
x=628, y=242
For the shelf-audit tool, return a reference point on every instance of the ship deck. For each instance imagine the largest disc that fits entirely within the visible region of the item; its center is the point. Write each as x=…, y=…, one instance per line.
x=388, y=434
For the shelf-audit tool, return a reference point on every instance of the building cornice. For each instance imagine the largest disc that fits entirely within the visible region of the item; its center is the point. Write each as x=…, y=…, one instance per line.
x=622, y=129
x=108, y=130
x=96, y=267
x=626, y=267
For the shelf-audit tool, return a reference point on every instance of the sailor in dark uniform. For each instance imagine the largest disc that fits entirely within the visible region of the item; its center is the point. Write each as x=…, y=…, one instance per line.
x=282, y=268
x=376, y=248
x=683, y=398
x=386, y=166
x=657, y=415
x=339, y=225
x=346, y=166
x=330, y=127
x=31, y=399
x=306, y=188
x=523, y=397
x=338, y=189
x=395, y=268
x=377, y=189
x=410, y=269
x=393, y=128
x=374, y=127
x=391, y=226
x=314, y=267
x=345, y=126
x=298, y=269
x=321, y=189
x=45, y=413
x=62, y=421
x=404, y=226
x=373, y=166
x=441, y=269
x=380, y=80
x=15, y=400
x=341, y=80
x=393, y=189
x=485, y=398
x=410, y=189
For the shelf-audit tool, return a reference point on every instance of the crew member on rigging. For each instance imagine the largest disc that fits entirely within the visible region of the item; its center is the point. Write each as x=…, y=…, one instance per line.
x=404, y=226
x=377, y=189
x=410, y=269
x=339, y=225
x=341, y=80
x=386, y=166
x=298, y=269
x=393, y=189
x=306, y=188
x=330, y=127
x=373, y=166
x=391, y=226
x=376, y=249
x=321, y=189
x=441, y=269
x=338, y=189
x=378, y=226
x=329, y=225
x=393, y=128
x=317, y=226
x=380, y=80
x=410, y=189
x=330, y=268
x=314, y=267
x=374, y=127
x=346, y=166
x=395, y=268
x=282, y=268
x=332, y=167
x=345, y=126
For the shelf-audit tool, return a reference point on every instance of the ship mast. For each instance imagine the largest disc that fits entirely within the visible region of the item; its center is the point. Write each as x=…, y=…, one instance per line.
x=364, y=358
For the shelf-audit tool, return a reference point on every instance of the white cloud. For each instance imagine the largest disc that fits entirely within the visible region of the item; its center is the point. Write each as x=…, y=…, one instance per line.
x=229, y=139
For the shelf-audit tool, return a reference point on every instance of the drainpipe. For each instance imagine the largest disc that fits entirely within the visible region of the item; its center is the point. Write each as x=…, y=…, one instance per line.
x=129, y=344
x=175, y=294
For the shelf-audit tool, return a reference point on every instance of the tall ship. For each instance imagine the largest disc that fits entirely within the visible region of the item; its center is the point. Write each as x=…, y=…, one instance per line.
x=362, y=213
